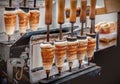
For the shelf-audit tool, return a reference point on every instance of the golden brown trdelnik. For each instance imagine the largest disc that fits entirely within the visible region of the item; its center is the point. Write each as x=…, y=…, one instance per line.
x=47, y=53
x=91, y=47
x=60, y=53
x=82, y=49
x=34, y=19
x=23, y=20
x=10, y=21
x=72, y=50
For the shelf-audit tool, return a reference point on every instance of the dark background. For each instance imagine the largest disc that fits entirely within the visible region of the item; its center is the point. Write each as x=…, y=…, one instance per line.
x=109, y=61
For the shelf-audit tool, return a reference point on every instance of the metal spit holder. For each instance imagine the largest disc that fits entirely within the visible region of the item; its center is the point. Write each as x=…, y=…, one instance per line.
x=37, y=73
x=17, y=49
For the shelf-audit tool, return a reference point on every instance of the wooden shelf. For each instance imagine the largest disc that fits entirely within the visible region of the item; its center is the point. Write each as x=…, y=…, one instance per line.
x=103, y=46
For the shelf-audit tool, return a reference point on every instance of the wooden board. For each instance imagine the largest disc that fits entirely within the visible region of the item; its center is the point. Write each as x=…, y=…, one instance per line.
x=112, y=6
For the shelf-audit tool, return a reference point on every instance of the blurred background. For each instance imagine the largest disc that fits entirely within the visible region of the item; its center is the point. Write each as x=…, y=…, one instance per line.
x=40, y=4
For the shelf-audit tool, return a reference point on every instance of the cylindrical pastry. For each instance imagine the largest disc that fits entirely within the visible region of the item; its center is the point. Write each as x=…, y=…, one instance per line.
x=10, y=21
x=71, y=49
x=91, y=47
x=47, y=53
x=60, y=53
x=23, y=20
x=34, y=19
x=82, y=47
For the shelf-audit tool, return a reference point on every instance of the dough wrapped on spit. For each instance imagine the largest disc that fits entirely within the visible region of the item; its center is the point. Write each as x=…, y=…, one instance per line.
x=34, y=19
x=10, y=22
x=60, y=53
x=23, y=20
x=82, y=49
x=47, y=53
x=91, y=47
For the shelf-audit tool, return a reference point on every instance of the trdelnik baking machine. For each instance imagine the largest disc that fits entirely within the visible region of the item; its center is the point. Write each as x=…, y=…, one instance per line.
x=23, y=60
x=22, y=55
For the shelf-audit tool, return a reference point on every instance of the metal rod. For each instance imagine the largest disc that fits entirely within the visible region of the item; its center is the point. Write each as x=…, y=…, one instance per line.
x=21, y=34
x=92, y=15
x=47, y=76
x=9, y=37
x=86, y=27
x=86, y=23
x=47, y=73
x=91, y=29
x=25, y=3
x=60, y=32
x=82, y=28
x=97, y=40
x=59, y=70
x=34, y=3
x=93, y=25
x=89, y=59
x=48, y=33
x=10, y=3
x=79, y=66
x=70, y=66
x=80, y=62
x=88, y=63
x=72, y=27
x=31, y=56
